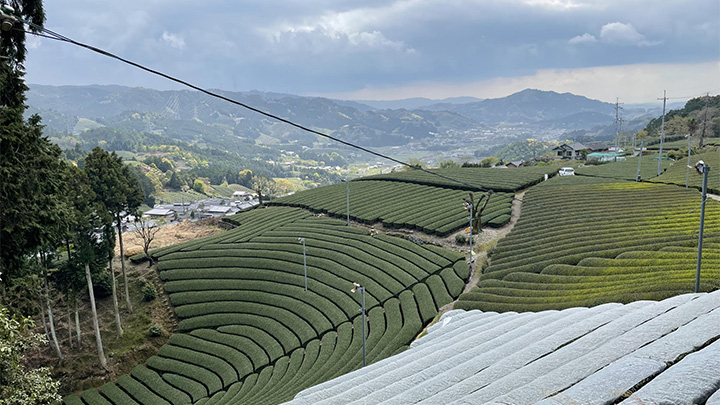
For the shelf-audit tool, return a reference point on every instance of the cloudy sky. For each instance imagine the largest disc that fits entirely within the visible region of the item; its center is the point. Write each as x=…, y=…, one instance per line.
x=391, y=49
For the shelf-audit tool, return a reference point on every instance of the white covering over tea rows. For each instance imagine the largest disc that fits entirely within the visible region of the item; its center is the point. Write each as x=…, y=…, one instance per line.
x=644, y=352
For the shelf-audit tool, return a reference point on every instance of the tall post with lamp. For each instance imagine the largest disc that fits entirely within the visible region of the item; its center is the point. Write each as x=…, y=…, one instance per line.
x=302, y=240
x=702, y=168
x=469, y=207
x=361, y=289
x=347, y=193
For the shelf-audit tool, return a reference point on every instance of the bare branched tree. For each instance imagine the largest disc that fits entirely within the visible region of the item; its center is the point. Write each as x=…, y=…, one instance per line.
x=146, y=229
x=478, y=209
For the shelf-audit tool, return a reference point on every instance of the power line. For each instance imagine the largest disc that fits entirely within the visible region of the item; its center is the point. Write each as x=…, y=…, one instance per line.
x=58, y=37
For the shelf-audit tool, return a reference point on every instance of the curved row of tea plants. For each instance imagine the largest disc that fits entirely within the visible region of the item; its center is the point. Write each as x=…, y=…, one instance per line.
x=472, y=178
x=248, y=225
x=626, y=169
x=250, y=333
x=433, y=210
x=579, y=243
x=679, y=173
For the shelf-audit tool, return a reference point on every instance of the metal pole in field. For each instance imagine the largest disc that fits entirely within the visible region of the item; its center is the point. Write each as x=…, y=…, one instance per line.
x=471, y=236
x=302, y=240
x=469, y=207
x=347, y=189
x=637, y=178
x=703, y=168
x=360, y=288
x=662, y=133
x=687, y=174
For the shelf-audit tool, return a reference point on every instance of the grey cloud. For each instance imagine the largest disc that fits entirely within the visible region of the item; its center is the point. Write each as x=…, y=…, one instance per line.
x=318, y=46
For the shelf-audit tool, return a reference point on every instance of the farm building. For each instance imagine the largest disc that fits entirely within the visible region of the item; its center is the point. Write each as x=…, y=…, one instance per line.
x=242, y=194
x=516, y=163
x=160, y=213
x=219, y=210
x=605, y=157
x=573, y=150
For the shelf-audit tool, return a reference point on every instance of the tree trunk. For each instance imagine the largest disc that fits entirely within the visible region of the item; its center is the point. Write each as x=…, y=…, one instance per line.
x=69, y=326
x=77, y=322
x=96, y=325
x=50, y=318
x=115, y=300
x=122, y=263
x=42, y=316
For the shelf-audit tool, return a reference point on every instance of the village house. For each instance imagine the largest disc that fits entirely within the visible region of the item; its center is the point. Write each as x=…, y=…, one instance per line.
x=166, y=213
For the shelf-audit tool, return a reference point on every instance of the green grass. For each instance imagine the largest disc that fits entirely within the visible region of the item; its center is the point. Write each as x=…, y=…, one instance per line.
x=250, y=333
x=571, y=244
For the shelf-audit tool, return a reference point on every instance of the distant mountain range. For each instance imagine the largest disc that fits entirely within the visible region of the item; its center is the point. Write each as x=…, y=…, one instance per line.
x=416, y=103
x=194, y=117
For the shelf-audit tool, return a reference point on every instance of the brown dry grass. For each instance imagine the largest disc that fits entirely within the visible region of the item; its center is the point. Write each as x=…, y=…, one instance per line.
x=170, y=235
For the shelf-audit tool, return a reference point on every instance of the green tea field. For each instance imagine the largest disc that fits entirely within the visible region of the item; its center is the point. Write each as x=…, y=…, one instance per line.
x=250, y=333
x=433, y=210
x=466, y=178
x=583, y=241
x=678, y=173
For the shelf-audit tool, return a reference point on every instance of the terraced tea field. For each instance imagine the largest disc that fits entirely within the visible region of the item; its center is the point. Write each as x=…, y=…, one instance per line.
x=582, y=241
x=677, y=173
x=625, y=170
x=433, y=210
x=505, y=180
x=250, y=333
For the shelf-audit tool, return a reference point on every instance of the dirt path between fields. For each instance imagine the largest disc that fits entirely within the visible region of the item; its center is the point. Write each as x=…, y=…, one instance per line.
x=486, y=240
x=485, y=244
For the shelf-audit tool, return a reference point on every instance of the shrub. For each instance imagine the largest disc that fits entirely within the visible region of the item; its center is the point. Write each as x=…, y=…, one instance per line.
x=155, y=330
x=149, y=291
x=461, y=239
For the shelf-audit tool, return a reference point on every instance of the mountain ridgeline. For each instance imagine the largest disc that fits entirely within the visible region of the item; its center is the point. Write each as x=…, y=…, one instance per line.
x=194, y=117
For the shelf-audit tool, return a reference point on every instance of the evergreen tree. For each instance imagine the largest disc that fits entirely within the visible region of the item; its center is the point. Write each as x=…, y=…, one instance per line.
x=118, y=190
x=29, y=162
x=85, y=217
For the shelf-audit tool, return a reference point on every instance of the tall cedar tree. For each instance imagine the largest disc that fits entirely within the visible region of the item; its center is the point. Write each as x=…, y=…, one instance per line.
x=118, y=190
x=29, y=163
x=86, y=216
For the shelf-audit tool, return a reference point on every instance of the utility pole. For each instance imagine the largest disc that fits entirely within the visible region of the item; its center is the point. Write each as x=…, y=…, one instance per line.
x=618, y=122
x=687, y=171
x=637, y=178
x=662, y=132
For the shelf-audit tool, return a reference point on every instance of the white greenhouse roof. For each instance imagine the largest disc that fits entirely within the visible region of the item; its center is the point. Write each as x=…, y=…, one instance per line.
x=160, y=212
x=666, y=352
